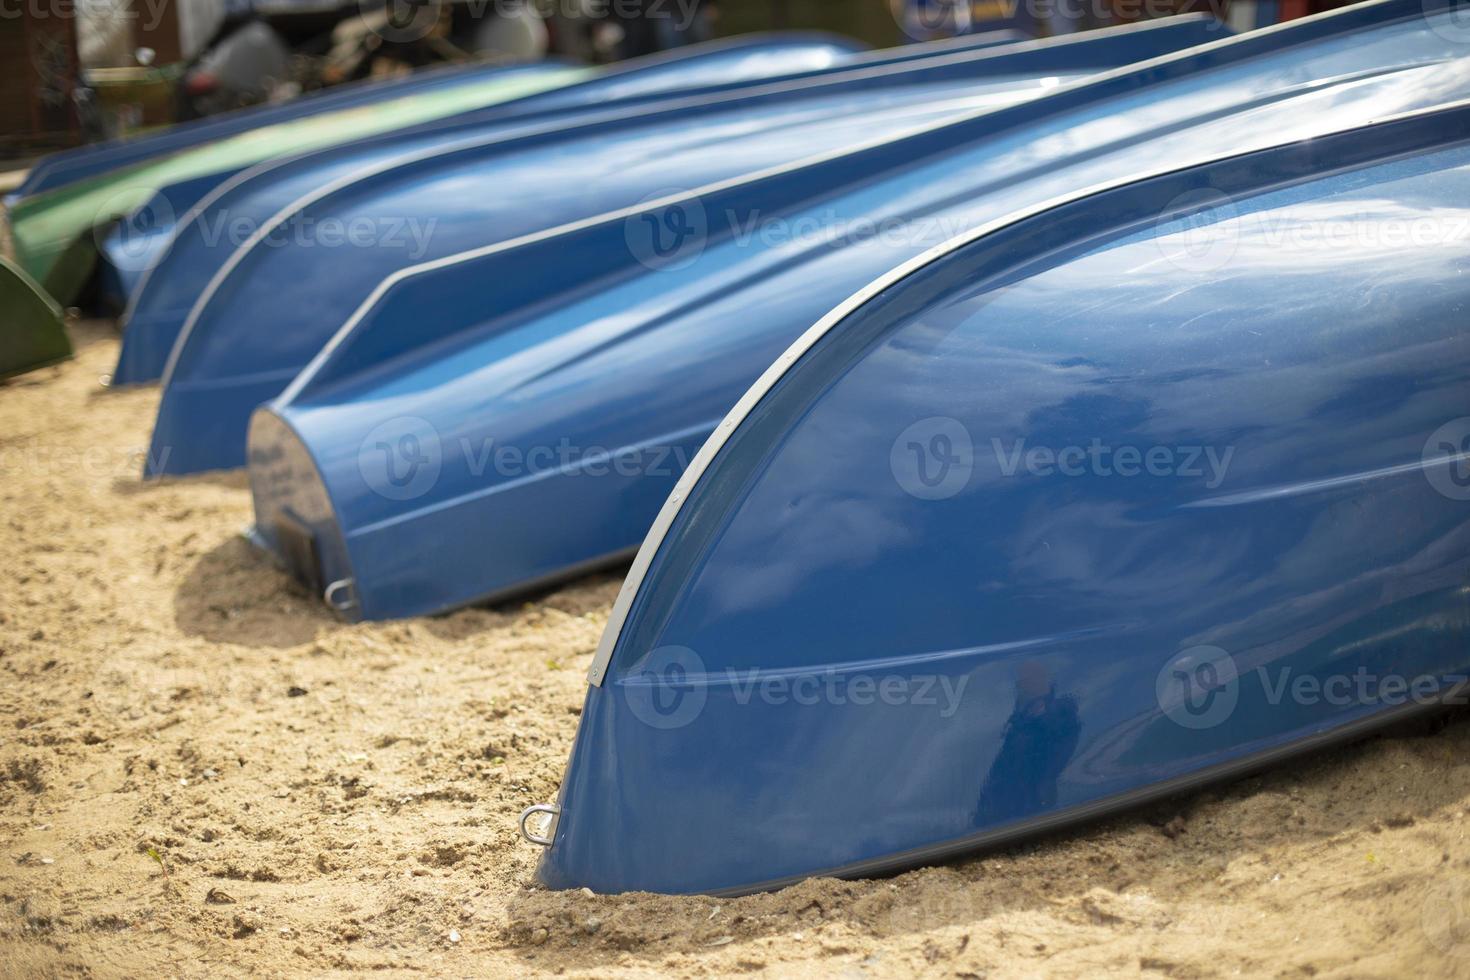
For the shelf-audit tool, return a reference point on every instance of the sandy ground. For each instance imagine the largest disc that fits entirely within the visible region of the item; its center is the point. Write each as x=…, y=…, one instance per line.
x=204, y=774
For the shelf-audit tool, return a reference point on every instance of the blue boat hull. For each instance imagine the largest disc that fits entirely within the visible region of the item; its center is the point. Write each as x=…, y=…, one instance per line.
x=72, y=166
x=734, y=60
x=1141, y=487
x=552, y=414
x=161, y=262
x=262, y=320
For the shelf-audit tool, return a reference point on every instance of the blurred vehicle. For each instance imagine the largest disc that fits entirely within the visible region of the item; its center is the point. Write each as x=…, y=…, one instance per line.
x=249, y=64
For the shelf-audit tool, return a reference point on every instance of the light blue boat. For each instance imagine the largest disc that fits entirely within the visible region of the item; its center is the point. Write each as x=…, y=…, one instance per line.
x=1153, y=483
x=264, y=313
x=489, y=423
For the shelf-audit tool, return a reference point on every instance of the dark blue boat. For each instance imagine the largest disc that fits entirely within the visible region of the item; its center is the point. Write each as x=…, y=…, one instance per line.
x=448, y=185
x=734, y=60
x=213, y=203
x=1146, y=485
x=518, y=414
x=84, y=163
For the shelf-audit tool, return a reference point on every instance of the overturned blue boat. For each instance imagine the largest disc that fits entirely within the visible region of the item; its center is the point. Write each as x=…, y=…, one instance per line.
x=87, y=162
x=55, y=233
x=530, y=427
x=418, y=198
x=131, y=249
x=1148, y=485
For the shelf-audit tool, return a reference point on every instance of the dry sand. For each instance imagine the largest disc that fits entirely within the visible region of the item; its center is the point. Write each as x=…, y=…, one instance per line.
x=324, y=798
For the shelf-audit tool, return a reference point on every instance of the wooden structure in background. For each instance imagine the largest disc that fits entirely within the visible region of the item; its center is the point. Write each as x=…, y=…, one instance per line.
x=867, y=20
x=156, y=25
x=38, y=50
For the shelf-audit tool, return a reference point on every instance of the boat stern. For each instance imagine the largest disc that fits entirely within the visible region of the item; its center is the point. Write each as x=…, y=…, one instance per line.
x=294, y=519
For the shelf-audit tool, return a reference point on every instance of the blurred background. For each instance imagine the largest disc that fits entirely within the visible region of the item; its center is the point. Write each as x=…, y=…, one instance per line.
x=78, y=71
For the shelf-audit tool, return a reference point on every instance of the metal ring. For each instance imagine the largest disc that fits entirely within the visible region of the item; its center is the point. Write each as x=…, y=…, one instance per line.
x=342, y=585
x=529, y=811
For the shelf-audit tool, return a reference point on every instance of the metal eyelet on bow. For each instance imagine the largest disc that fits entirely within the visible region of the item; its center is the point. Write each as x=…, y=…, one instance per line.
x=550, y=832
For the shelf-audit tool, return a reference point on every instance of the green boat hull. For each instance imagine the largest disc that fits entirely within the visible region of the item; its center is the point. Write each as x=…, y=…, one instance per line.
x=31, y=332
